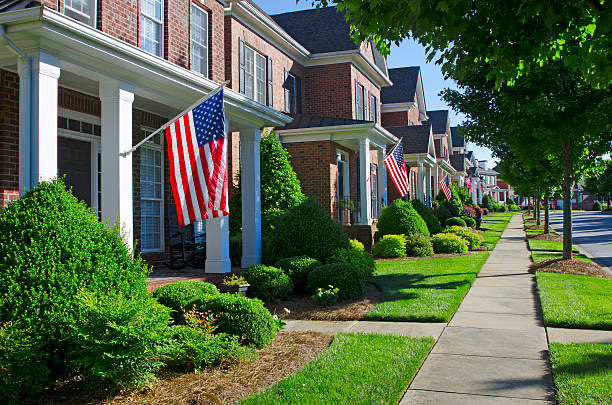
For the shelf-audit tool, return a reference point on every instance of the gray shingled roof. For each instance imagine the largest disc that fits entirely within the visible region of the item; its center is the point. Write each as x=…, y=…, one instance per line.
x=458, y=140
x=437, y=119
x=458, y=162
x=415, y=139
x=405, y=81
x=311, y=121
x=10, y=5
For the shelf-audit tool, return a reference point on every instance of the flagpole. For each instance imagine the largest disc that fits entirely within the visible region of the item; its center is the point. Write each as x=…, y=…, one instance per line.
x=206, y=97
x=388, y=154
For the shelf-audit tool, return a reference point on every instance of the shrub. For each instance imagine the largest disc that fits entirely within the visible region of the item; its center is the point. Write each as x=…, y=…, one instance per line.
x=487, y=202
x=455, y=221
x=267, y=282
x=343, y=276
x=52, y=247
x=461, y=193
x=432, y=222
x=307, y=230
x=514, y=208
x=485, y=211
x=472, y=238
x=448, y=243
x=240, y=316
x=511, y=201
x=297, y=268
x=356, y=245
x=469, y=221
x=443, y=213
x=502, y=208
x=597, y=206
x=326, y=296
x=178, y=294
x=390, y=246
x=418, y=246
x=362, y=261
x=400, y=218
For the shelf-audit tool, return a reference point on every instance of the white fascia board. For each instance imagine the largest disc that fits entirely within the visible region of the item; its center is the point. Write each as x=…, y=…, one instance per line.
x=444, y=164
x=377, y=135
x=418, y=158
x=397, y=107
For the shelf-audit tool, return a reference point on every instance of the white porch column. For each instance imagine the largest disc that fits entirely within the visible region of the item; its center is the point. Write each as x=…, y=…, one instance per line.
x=428, y=186
x=117, y=199
x=437, y=178
x=364, y=174
x=250, y=140
x=217, y=239
x=38, y=148
x=382, y=178
x=421, y=193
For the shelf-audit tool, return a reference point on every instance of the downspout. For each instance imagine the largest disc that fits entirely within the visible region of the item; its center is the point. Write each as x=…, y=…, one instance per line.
x=28, y=110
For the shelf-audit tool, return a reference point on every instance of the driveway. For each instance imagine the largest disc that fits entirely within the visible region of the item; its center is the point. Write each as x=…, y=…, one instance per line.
x=592, y=232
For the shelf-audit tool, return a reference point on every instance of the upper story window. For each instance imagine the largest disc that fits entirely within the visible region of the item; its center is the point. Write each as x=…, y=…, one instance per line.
x=293, y=90
x=151, y=26
x=360, y=101
x=373, y=107
x=82, y=10
x=199, y=40
x=253, y=70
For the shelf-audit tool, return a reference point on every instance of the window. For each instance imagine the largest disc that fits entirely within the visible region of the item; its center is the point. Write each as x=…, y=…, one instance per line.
x=151, y=194
x=199, y=40
x=151, y=26
x=82, y=10
x=254, y=75
x=373, y=108
x=290, y=94
x=359, y=101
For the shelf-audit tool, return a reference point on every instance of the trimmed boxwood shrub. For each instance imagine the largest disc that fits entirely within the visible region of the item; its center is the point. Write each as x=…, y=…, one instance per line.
x=390, y=246
x=355, y=244
x=307, y=230
x=597, y=206
x=455, y=221
x=297, y=268
x=472, y=238
x=178, y=294
x=342, y=276
x=448, y=243
x=363, y=261
x=418, y=246
x=236, y=315
x=433, y=224
x=267, y=283
x=400, y=218
x=469, y=221
x=442, y=212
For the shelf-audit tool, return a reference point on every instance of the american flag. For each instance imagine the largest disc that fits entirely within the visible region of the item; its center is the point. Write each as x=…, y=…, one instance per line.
x=197, y=155
x=397, y=169
x=481, y=188
x=468, y=183
x=445, y=189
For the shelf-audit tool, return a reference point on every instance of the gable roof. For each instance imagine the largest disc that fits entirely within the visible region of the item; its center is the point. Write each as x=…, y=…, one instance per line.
x=312, y=121
x=415, y=139
x=458, y=140
x=438, y=120
x=405, y=81
x=458, y=162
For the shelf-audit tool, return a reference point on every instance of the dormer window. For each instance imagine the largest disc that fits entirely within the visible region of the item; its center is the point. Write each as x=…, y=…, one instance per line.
x=81, y=10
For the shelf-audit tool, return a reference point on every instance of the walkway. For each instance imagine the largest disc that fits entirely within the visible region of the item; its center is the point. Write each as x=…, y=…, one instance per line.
x=494, y=350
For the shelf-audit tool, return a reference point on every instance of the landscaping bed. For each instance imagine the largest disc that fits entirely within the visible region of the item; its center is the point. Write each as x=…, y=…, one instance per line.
x=548, y=246
x=546, y=236
x=561, y=266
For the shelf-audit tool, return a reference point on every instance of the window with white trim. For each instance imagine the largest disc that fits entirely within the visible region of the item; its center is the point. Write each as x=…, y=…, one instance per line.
x=359, y=101
x=82, y=10
x=291, y=94
x=255, y=75
x=199, y=40
x=151, y=26
x=151, y=194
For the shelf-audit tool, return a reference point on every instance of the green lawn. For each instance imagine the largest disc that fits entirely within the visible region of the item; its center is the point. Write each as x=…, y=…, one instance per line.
x=582, y=372
x=426, y=290
x=355, y=369
x=574, y=301
x=532, y=232
x=541, y=256
x=494, y=224
x=547, y=245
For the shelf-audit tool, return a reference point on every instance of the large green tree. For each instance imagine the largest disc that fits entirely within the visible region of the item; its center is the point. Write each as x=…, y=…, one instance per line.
x=601, y=185
x=511, y=37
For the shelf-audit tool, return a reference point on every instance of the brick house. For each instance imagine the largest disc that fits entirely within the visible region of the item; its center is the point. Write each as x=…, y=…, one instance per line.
x=82, y=81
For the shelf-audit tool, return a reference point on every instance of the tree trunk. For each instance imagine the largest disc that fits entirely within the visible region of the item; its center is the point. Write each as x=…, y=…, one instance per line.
x=537, y=209
x=546, y=213
x=568, y=185
x=528, y=206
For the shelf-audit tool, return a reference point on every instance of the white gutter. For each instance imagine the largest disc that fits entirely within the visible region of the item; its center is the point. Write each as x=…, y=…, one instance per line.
x=28, y=110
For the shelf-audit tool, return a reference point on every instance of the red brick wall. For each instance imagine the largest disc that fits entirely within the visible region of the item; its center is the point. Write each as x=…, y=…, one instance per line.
x=9, y=137
x=369, y=88
x=329, y=91
x=53, y=4
x=75, y=101
x=395, y=119
x=119, y=19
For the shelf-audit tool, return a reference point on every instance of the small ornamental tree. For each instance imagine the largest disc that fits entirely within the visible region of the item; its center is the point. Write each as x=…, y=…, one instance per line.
x=280, y=187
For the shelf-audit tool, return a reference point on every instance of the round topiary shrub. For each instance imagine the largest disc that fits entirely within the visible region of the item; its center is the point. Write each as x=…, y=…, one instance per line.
x=178, y=294
x=52, y=247
x=307, y=230
x=400, y=218
x=472, y=238
x=344, y=277
x=356, y=245
x=362, y=261
x=448, y=243
x=469, y=221
x=455, y=221
x=597, y=206
x=298, y=268
x=390, y=246
x=433, y=224
x=418, y=246
x=267, y=283
x=240, y=316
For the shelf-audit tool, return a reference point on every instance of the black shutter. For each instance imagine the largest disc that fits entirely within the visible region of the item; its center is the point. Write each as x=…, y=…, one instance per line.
x=287, y=92
x=298, y=95
x=270, y=92
x=242, y=66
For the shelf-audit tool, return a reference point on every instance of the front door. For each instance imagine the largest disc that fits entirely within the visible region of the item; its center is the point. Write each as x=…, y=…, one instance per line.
x=74, y=165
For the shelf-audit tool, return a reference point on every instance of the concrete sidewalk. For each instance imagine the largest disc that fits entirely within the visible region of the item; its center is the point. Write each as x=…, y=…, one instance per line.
x=494, y=350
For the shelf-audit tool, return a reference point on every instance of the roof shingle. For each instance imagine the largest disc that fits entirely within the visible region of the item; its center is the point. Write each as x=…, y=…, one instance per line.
x=415, y=139
x=458, y=162
x=438, y=120
x=458, y=140
x=405, y=81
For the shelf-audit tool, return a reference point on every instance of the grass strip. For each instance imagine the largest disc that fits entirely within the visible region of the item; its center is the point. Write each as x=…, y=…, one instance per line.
x=538, y=257
x=532, y=232
x=426, y=290
x=582, y=373
x=547, y=245
x=573, y=301
x=355, y=369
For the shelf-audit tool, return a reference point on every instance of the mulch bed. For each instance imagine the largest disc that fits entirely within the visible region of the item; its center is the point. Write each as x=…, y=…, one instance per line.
x=287, y=354
x=301, y=306
x=535, y=227
x=547, y=236
x=579, y=267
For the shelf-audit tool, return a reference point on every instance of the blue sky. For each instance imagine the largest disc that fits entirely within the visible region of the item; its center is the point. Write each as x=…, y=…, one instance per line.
x=408, y=53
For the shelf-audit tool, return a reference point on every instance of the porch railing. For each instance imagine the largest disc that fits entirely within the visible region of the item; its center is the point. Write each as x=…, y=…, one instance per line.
x=347, y=211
